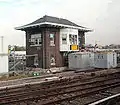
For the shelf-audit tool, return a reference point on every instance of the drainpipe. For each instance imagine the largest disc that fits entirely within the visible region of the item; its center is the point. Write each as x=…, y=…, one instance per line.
x=43, y=37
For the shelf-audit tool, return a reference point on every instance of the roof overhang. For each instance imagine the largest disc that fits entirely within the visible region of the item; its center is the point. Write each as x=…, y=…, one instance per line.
x=53, y=24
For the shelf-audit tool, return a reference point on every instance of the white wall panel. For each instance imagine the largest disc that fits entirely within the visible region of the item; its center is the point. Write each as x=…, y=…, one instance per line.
x=3, y=55
x=67, y=31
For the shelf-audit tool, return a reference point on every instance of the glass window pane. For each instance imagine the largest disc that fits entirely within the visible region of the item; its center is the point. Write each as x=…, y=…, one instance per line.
x=36, y=39
x=52, y=40
x=64, y=39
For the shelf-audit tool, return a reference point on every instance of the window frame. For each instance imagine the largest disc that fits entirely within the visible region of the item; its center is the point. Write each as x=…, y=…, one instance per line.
x=73, y=39
x=52, y=42
x=64, y=36
x=52, y=60
x=36, y=40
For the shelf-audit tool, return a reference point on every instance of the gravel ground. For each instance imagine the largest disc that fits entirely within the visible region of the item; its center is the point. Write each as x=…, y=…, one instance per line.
x=62, y=75
x=90, y=98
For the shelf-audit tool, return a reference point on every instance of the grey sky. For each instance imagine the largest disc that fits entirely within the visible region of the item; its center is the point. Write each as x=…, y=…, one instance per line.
x=101, y=15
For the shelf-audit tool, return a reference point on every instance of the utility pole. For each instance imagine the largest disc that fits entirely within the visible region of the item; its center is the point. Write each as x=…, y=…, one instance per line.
x=23, y=61
x=14, y=58
x=2, y=43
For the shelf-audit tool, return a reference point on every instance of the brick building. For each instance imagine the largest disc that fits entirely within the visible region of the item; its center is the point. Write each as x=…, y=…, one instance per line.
x=51, y=39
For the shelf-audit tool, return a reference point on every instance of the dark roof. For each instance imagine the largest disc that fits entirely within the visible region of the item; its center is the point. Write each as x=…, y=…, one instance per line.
x=54, y=20
x=51, y=19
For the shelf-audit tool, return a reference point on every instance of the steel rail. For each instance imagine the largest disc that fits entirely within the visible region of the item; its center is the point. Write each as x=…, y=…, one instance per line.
x=105, y=99
x=71, y=91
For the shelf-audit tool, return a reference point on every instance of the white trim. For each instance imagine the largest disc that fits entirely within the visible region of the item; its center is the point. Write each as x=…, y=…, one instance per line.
x=36, y=45
x=74, y=27
x=17, y=28
x=64, y=25
x=31, y=55
x=105, y=99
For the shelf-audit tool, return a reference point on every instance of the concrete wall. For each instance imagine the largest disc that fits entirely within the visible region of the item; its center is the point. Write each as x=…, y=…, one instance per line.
x=100, y=60
x=105, y=60
x=80, y=60
x=112, y=60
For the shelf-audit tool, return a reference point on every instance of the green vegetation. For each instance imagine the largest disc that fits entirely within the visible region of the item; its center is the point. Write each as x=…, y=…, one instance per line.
x=6, y=78
x=19, y=48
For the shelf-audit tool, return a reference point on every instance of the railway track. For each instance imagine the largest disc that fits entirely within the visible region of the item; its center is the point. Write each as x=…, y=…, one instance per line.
x=64, y=83
x=59, y=90
x=111, y=100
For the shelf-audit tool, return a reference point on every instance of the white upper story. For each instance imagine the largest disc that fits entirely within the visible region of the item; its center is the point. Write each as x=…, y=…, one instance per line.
x=69, y=39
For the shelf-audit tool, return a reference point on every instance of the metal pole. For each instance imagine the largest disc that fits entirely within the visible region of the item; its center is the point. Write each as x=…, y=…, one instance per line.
x=2, y=43
x=43, y=47
x=23, y=62
x=14, y=57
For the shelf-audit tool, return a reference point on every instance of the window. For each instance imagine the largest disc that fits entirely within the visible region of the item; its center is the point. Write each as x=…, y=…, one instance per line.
x=52, y=40
x=64, y=39
x=36, y=61
x=52, y=60
x=73, y=39
x=102, y=56
x=80, y=40
x=35, y=40
x=98, y=56
x=89, y=55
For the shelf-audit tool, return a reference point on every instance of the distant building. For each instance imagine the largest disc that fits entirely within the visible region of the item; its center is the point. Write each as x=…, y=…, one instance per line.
x=52, y=38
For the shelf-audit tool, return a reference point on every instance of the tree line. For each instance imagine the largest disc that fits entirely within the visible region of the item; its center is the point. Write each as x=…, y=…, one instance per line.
x=18, y=48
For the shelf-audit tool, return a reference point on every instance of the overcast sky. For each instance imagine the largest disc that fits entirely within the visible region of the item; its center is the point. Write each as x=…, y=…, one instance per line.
x=103, y=16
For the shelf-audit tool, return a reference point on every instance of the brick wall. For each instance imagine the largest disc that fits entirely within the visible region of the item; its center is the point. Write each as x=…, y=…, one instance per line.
x=31, y=50
x=44, y=52
x=52, y=50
